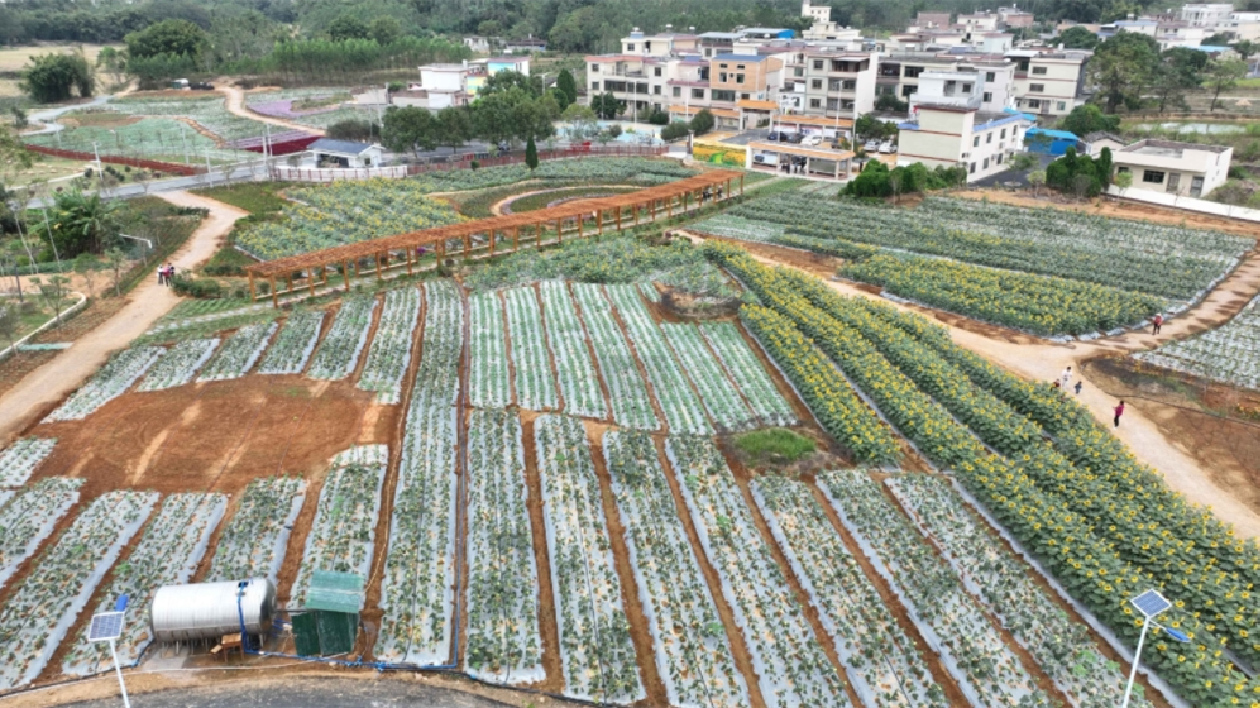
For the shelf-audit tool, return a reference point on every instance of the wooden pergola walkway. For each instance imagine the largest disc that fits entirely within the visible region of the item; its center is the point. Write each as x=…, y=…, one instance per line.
x=497, y=234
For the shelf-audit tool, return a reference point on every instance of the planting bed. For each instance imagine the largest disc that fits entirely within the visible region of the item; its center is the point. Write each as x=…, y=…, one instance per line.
x=28, y=517
x=20, y=459
x=338, y=354
x=1230, y=354
x=575, y=370
x=535, y=385
x=390, y=353
x=627, y=392
x=489, y=384
x=239, y=353
x=179, y=364
x=108, y=383
x=293, y=347
x=255, y=540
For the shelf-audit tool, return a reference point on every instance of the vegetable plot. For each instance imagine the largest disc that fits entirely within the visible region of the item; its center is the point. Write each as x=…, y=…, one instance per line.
x=951, y=621
x=239, y=353
x=721, y=398
x=750, y=377
x=595, y=645
x=29, y=517
x=992, y=573
x=535, y=385
x=1230, y=354
x=110, y=382
x=292, y=349
x=168, y=553
x=18, y=462
x=417, y=590
x=178, y=366
x=390, y=354
x=678, y=400
x=883, y=664
x=791, y=666
x=41, y=609
x=627, y=392
x=344, y=530
x=575, y=371
x=339, y=352
x=504, y=643
x=489, y=385
x=254, y=542
x=691, y=648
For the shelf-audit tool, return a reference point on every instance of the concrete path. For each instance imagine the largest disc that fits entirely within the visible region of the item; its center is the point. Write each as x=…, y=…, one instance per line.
x=43, y=387
x=236, y=106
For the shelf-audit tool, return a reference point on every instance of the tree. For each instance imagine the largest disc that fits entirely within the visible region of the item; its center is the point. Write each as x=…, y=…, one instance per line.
x=890, y=102
x=385, y=30
x=53, y=292
x=606, y=106
x=1088, y=118
x=581, y=120
x=8, y=321
x=702, y=122
x=568, y=85
x=1245, y=48
x=453, y=127
x=1021, y=162
x=79, y=223
x=348, y=27
x=13, y=155
x=1036, y=178
x=508, y=80
x=1122, y=67
x=1124, y=180
x=115, y=258
x=169, y=37
x=52, y=77
x=1104, y=167
x=1077, y=38
x=1179, y=70
x=1223, y=74
x=9, y=255
x=531, y=154
x=409, y=128
x=85, y=266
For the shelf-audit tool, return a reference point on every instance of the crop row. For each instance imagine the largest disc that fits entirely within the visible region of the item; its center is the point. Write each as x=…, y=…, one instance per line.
x=338, y=354
x=19, y=460
x=40, y=610
x=28, y=517
x=179, y=364
x=504, y=639
x=575, y=371
x=344, y=530
x=595, y=646
x=720, y=396
x=253, y=543
x=489, y=382
x=239, y=353
x=627, y=391
x=390, y=352
x=750, y=377
x=293, y=347
x=535, y=384
x=167, y=554
x=108, y=383
x=1230, y=353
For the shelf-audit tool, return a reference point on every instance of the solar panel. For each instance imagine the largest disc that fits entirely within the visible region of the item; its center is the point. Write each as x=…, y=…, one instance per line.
x=1150, y=603
x=105, y=626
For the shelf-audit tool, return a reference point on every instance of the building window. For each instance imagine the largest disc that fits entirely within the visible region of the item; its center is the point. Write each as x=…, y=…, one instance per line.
x=739, y=78
x=697, y=93
x=988, y=138
x=1153, y=176
x=818, y=64
x=739, y=66
x=722, y=77
x=708, y=52
x=1063, y=105
x=721, y=66
x=912, y=72
x=656, y=71
x=594, y=68
x=1003, y=134
x=630, y=47
x=907, y=91
x=966, y=88
x=1034, y=103
x=1036, y=88
x=988, y=97
x=973, y=168
x=986, y=164
x=815, y=103
x=677, y=92
x=745, y=96
x=594, y=85
x=816, y=84
x=1039, y=71
x=846, y=104
x=833, y=85
x=990, y=76
x=849, y=85
x=723, y=95
x=656, y=90
x=798, y=71
x=976, y=142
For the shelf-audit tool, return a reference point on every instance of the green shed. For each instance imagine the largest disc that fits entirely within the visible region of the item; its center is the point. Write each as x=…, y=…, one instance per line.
x=330, y=622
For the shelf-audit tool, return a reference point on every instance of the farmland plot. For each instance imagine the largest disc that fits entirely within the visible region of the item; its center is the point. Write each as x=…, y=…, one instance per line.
x=42, y=608
x=19, y=460
x=292, y=349
x=417, y=590
x=28, y=517
x=595, y=645
x=535, y=385
x=239, y=354
x=255, y=540
x=791, y=666
x=631, y=405
x=390, y=353
x=1061, y=647
x=951, y=621
x=745, y=369
x=691, y=648
x=344, y=530
x=339, y=352
x=489, y=384
x=679, y=402
x=721, y=398
x=110, y=382
x=168, y=554
x=504, y=641
x=574, y=369
x=179, y=364
x=883, y=664
x=1230, y=353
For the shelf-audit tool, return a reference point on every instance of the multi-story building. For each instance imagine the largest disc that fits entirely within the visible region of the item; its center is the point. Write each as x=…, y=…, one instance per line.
x=1206, y=15
x=1184, y=169
x=640, y=81
x=1049, y=83
x=1014, y=18
x=932, y=20
x=899, y=74
x=840, y=84
x=1179, y=34
x=658, y=45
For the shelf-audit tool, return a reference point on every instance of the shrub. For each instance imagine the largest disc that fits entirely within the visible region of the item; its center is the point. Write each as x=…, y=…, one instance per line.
x=185, y=284
x=775, y=445
x=674, y=131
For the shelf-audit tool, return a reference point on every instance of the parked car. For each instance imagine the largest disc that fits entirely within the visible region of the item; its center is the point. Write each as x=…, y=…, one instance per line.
x=871, y=145
x=886, y=147
x=812, y=140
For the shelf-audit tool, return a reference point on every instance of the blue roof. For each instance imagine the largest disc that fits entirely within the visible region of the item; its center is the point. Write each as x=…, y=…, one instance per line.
x=1056, y=134
x=1211, y=48
x=346, y=146
x=753, y=58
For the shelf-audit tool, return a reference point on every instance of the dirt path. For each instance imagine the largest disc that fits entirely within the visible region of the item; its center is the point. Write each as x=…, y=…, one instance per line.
x=1045, y=361
x=43, y=387
x=236, y=106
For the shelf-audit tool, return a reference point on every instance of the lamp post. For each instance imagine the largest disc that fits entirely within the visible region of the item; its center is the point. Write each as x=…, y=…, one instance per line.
x=1151, y=604
x=107, y=627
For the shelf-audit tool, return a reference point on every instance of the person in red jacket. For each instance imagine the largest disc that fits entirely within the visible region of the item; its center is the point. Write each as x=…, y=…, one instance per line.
x=1119, y=412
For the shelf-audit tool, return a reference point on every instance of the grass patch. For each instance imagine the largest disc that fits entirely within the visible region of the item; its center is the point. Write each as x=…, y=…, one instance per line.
x=775, y=445
x=227, y=261
x=535, y=202
x=257, y=198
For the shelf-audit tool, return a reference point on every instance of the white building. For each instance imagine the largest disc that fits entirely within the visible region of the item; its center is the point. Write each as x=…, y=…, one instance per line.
x=1206, y=15
x=344, y=153
x=1049, y=83
x=1185, y=169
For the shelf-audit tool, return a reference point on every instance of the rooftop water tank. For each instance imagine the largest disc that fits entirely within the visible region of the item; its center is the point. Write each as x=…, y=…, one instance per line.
x=211, y=610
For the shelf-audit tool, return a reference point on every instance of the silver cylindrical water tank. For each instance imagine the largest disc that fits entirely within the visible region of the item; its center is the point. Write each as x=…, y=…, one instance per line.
x=210, y=610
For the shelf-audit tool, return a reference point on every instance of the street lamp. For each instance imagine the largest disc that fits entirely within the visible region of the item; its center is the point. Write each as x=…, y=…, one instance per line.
x=107, y=627
x=1151, y=604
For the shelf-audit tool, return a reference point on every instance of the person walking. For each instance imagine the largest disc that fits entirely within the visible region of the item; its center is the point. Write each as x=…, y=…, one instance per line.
x=161, y=273
x=1078, y=388
x=1065, y=378
x=1119, y=410
x=1157, y=324
x=170, y=272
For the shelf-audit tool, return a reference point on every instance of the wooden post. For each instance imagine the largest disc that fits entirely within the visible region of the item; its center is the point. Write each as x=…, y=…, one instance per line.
x=559, y=230
x=323, y=273
x=377, y=257
x=310, y=281
x=410, y=258
x=252, y=296
x=289, y=280
x=652, y=208
x=345, y=273
x=580, y=219
x=618, y=217
x=741, y=184
x=599, y=221
x=492, y=234
x=467, y=245
x=275, y=297
x=538, y=234
x=516, y=238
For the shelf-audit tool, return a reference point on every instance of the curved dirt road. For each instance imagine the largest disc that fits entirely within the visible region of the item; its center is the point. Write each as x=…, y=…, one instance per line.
x=236, y=106
x=1045, y=362
x=49, y=383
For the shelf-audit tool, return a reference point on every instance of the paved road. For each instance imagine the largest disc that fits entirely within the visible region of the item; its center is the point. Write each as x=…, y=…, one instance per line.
x=306, y=692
